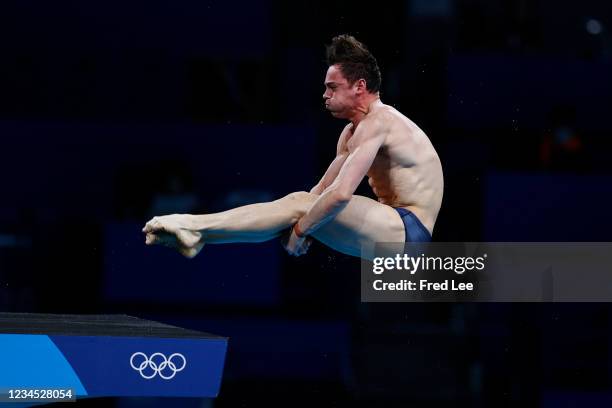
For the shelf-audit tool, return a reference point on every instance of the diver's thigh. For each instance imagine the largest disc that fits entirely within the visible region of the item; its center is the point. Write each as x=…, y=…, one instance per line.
x=363, y=222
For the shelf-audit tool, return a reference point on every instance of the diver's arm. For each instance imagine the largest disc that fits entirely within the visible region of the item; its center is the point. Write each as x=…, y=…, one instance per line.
x=369, y=137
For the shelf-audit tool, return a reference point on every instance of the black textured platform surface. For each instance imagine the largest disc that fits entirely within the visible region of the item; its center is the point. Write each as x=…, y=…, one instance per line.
x=93, y=325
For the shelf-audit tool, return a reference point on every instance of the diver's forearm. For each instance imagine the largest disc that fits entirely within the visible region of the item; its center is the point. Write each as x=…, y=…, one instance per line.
x=325, y=209
x=318, y=189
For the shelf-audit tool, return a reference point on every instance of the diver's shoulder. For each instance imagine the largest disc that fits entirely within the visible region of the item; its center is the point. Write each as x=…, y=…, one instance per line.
x=382, y=116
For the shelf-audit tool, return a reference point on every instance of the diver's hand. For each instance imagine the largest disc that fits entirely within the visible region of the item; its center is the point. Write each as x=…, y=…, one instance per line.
x=295, y=245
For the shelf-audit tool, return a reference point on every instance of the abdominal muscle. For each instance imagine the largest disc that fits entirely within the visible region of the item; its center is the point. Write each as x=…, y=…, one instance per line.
x=412, y=188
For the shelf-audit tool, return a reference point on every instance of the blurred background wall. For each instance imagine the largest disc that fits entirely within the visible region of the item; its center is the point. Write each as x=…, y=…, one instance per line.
x=112, y=112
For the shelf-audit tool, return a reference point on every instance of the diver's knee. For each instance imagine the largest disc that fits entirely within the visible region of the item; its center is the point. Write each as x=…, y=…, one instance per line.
x=298, y=203
x=301, y=196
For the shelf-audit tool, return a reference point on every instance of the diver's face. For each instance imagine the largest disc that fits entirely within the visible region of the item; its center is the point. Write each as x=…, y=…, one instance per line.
x=339, y=96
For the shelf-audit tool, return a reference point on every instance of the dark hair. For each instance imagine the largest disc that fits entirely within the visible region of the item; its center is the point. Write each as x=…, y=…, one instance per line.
x=355, y=60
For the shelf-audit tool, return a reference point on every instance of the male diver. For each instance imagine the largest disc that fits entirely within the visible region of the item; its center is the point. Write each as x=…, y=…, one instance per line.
x=403, y=169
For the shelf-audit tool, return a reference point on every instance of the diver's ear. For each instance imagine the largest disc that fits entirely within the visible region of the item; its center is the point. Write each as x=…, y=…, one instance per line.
x=360, y=86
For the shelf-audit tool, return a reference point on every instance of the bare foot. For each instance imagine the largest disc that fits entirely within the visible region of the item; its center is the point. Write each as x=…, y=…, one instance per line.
x=174, y=231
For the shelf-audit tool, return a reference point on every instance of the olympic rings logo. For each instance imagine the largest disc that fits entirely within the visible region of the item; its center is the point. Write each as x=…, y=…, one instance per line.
x=166, y=367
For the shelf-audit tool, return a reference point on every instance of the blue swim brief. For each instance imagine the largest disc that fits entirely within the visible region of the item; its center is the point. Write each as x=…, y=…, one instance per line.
x=415, y=230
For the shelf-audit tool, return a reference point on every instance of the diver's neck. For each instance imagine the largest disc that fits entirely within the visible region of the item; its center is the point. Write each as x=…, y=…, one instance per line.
x=365, y=108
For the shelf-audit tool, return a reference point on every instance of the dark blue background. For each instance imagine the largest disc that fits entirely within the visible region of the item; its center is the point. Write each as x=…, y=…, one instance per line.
x=112, y=111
